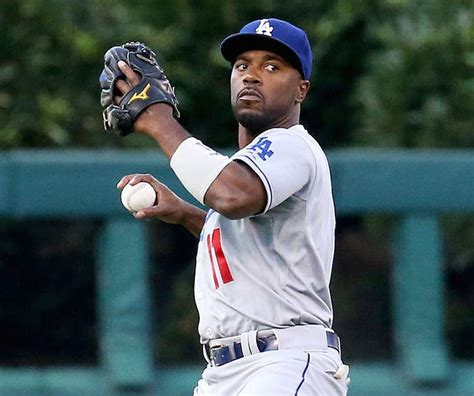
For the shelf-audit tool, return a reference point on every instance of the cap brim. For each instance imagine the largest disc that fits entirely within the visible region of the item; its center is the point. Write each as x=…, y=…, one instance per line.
x=239, y=43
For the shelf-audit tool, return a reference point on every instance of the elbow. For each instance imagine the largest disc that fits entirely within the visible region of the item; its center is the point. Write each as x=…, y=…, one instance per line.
x=233, y=206
x=236, y=198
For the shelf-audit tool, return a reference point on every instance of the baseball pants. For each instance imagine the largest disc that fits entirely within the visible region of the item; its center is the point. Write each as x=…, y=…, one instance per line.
x=289, y=371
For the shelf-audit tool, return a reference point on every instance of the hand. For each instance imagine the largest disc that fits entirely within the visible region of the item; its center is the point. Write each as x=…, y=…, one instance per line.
x=145, y=119
x=169, y=208
x=129, y=90
x=124, y=85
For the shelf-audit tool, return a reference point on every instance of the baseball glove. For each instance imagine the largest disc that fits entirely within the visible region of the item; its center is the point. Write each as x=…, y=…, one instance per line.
x=154, y=87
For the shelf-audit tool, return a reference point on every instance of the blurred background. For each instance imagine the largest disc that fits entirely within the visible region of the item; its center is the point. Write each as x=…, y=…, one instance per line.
x=388, y=75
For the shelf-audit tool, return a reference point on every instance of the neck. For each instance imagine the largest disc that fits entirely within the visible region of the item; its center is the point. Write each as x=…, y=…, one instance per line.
x=246, y=135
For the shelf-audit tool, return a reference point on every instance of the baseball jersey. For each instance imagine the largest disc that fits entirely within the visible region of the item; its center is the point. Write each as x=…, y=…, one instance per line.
x=271, y=270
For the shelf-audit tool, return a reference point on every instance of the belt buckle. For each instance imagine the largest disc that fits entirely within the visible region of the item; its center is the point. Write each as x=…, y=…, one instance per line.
x=220, y=355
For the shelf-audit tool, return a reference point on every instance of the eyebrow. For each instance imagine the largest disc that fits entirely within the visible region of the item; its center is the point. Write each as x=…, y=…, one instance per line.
x=266, y=58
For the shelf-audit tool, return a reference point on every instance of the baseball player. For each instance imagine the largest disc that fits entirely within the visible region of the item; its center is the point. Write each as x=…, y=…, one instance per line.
x=266, y=243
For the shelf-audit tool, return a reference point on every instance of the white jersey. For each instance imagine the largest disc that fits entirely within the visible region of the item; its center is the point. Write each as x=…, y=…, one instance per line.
x=271, y=270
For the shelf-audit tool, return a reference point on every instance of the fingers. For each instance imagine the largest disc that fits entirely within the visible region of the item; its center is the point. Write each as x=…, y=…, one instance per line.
x=132, y=76
x=146, y=214
x=124, y=85
x=168, y=206
x=144, y=178
x=151, y=213
x=135, y=178
x=124, y=181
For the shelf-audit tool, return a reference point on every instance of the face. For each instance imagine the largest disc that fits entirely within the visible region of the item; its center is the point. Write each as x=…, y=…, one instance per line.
x=265, y=90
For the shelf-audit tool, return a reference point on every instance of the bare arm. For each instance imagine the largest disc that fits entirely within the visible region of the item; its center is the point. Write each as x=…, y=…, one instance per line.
x=169, y=207
x=237, y=192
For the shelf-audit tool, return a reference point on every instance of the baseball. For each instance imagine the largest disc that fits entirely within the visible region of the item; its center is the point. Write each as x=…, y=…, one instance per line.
x=138, y=197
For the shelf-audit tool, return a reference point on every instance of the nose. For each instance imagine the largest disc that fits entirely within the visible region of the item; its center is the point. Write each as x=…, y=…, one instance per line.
x=251, y=77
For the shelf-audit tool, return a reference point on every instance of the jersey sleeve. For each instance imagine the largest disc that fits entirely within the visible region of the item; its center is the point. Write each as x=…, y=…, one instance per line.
x=283, y=162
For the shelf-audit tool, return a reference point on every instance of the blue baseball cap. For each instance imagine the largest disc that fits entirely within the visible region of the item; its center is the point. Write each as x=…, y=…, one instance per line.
x=274, y=35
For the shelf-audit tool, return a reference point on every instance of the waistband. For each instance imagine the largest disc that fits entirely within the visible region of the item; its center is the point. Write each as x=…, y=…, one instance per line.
x=220, y=351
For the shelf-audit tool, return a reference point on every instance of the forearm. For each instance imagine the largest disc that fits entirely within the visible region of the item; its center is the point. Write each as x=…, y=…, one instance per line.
x=229, y=187
x=158, y=122
x=233, y=189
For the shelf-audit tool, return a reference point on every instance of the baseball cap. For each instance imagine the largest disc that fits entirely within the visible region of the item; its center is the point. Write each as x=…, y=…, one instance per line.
x=274, y=35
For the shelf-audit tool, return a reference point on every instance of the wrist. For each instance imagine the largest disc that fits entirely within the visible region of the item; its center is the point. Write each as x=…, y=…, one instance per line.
x=193, y=218
x=150, y=119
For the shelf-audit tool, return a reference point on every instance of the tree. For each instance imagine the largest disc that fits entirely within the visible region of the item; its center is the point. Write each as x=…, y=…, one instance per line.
x=418, y=90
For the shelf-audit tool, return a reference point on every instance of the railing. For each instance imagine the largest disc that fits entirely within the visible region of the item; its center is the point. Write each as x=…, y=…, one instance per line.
x=414, y=186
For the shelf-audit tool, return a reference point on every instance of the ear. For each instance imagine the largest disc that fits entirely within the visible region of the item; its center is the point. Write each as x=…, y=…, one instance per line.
x=303, y=88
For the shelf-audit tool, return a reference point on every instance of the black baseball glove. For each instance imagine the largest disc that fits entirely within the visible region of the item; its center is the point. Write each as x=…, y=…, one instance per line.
x=154, y=87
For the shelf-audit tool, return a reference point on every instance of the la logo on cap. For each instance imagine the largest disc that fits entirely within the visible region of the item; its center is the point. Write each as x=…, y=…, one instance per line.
x=264, y=28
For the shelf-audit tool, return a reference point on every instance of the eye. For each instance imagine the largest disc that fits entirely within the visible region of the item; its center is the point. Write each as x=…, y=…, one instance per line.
x=271, y=67
x=241, y=66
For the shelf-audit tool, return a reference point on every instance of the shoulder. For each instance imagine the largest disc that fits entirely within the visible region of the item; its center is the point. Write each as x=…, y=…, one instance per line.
x=294, y=141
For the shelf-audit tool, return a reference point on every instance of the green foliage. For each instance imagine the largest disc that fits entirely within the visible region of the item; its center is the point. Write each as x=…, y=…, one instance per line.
x=386, y=72
x=419, y=89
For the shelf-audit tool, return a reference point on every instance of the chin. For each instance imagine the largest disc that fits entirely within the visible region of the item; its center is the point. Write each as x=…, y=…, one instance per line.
x=252, y=121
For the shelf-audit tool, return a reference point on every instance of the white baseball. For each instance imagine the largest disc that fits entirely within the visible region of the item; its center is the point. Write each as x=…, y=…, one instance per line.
x=138, y=197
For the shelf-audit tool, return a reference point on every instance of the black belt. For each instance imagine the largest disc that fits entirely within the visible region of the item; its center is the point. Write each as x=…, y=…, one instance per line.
x=223, y=354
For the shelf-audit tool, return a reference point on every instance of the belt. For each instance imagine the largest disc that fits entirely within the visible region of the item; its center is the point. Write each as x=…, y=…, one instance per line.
x=222, y=351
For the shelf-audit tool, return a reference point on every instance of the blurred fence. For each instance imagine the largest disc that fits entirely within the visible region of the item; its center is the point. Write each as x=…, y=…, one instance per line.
x=414, y=186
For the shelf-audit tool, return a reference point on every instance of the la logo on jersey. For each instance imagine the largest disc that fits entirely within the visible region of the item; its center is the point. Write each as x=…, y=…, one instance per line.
x=264, y=28
x=262, y=148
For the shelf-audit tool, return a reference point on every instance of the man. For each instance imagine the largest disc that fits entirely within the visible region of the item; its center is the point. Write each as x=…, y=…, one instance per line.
x=266, y=245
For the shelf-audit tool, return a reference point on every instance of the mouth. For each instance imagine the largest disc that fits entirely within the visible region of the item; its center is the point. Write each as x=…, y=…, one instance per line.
x=249, y=94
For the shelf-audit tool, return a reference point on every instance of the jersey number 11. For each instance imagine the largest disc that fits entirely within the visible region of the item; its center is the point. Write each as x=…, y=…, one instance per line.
x=214, y=247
